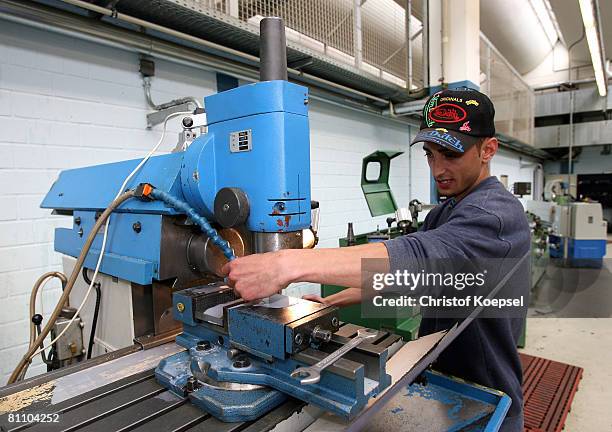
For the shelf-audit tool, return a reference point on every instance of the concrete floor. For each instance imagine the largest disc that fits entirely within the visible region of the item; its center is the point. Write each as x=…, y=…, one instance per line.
x=584, y=342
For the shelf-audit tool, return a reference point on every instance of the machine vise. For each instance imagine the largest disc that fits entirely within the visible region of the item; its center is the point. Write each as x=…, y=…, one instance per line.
x=241, y=357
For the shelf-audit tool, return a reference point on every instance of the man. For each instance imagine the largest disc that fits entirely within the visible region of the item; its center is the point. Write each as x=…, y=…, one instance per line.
x=479, y=220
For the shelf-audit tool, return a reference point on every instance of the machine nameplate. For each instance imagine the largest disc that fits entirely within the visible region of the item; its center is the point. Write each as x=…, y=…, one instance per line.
x=241, y=141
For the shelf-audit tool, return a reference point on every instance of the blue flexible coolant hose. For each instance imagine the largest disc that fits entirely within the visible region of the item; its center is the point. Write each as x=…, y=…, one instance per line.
x=200, y=221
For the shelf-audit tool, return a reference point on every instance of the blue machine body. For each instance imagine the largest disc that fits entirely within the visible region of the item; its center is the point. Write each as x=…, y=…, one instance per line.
x=580, y=253
x=273, y=169
x=257, y=141
x=276, y=169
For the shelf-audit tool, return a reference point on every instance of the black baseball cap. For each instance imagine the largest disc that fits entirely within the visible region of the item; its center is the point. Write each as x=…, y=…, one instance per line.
x=457, y=119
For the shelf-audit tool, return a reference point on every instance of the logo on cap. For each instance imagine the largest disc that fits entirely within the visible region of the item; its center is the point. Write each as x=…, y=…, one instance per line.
x=429, y=107
x=465, y=127
x=472, y=102
x=447, y=113
x=442, y=138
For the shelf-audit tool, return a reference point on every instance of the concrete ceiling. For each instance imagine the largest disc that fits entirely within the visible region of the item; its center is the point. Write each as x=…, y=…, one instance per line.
x=514, y=29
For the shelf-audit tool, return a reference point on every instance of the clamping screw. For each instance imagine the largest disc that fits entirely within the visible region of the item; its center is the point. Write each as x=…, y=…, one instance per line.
x=191, y=385
x=334, y=322
x=232, y=352
x=321, y=334
x=180, y=307
x=242, y=362
x=203, y=345
x=80, y=232
x=298, y=339
x=77, y=220
x=137, y=227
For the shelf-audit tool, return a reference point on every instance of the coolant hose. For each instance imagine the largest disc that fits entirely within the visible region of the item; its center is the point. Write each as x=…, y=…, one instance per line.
x=69, y=284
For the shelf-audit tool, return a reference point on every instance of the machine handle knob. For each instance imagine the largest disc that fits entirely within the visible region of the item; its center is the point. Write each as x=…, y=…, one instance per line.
x=231, y=207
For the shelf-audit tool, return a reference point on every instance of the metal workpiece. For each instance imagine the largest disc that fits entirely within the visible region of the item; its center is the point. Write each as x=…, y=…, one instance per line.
x=312, y=374
x=272, y=50
x=275, y=241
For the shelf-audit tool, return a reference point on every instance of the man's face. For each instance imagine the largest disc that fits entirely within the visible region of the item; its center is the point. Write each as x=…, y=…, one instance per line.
x=453, y=172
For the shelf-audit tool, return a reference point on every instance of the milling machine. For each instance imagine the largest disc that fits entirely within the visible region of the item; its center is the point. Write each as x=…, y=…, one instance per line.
x=243, y=187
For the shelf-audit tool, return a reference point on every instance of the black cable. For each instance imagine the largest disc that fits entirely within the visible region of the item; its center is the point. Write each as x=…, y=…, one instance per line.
x=94, y=323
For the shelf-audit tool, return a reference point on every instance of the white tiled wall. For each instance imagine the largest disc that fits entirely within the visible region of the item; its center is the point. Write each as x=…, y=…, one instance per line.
x=517, y=169
x=66, y=103
x=63, y=103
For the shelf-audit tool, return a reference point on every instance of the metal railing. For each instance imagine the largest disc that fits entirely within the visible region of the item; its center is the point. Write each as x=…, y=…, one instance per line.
x=369, y=35
x=513, y=98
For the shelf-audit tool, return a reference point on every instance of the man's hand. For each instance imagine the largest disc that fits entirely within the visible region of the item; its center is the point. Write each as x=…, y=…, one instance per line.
x=346, y=297
x=261, y=275
x=315, y=298
x=258, y=275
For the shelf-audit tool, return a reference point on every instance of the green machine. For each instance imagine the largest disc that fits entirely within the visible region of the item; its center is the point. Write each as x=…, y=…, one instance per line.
x=539, y=257
x=379, y=198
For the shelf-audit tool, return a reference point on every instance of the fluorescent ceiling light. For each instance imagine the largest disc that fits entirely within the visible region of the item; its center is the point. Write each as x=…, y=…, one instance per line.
x=590, y=27
x=547, y=20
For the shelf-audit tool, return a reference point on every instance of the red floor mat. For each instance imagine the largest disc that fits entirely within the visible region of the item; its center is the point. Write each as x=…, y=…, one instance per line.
x=548, y=391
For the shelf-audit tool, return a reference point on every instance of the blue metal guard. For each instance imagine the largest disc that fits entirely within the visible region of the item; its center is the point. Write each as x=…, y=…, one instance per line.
x=199, y=220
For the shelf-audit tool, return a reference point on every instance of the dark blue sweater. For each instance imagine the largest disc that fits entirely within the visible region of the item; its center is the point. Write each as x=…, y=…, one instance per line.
x=489, y=222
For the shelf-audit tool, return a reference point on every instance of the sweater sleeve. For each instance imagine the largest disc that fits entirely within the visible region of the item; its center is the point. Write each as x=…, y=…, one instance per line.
x=470, y=232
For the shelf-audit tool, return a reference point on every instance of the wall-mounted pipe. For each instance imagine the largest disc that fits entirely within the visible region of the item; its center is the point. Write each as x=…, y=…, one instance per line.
x=189, y=99
x=32, y=16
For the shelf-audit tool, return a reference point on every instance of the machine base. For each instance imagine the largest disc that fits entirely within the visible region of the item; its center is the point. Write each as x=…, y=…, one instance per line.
x=210, y=376
x=229, y=402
